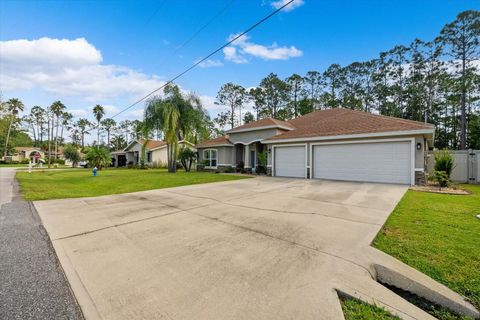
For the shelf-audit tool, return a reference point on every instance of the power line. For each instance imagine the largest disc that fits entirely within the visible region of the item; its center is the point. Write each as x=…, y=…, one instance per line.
x=196, y=33
x=202, y=60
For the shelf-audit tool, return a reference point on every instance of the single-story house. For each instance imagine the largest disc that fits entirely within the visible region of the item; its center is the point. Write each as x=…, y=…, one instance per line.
x=22, y=153
x=155, y=152
x=334, y=144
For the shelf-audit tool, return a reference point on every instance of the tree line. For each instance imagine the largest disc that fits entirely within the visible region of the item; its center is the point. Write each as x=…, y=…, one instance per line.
x=435, y=81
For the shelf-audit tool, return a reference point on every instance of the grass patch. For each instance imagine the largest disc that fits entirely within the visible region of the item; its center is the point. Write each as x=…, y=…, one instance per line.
x=357, y=310
x=13, y=165
x=77, y=183
x=438, y=234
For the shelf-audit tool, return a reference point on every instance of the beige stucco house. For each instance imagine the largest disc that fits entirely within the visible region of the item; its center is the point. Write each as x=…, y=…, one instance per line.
x=334, y=144
x=155, y=152
x=22, y=153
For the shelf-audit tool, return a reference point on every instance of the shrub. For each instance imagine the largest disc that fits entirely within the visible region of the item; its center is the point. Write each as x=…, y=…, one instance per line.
x=229, y=170
x=25, y=161
x=99, y=157
x=444, y=162
x=441, y=177
x=60, y=161
x=187, y=156
x=71, y=153
x=130, y=164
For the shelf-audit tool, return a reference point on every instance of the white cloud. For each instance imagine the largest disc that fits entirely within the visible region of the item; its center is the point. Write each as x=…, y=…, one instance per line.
x=78, y=112
x=295, y=4
x=241, y=48
x=138, y=113
x=209, y=63
x=66, y=67
x=109, y=109
x=231, y=54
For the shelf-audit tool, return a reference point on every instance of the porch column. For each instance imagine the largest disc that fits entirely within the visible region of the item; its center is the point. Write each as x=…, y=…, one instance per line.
x=247, y=156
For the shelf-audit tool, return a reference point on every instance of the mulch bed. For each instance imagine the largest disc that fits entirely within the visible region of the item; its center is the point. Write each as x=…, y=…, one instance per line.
x=435, y=189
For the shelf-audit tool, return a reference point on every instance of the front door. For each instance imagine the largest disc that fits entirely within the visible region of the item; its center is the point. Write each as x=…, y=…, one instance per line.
x=252, y=159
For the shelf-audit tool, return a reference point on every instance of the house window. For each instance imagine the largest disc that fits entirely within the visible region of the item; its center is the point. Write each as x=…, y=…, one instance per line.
x=149, y=156
x=210, y=158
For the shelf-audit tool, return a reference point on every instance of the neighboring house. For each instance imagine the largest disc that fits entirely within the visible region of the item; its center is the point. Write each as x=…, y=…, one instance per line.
x=155, y=152
x=22, y=153
x=334, y=144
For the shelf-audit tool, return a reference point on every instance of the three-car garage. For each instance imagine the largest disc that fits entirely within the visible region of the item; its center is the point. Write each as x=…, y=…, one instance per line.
x=385, y=161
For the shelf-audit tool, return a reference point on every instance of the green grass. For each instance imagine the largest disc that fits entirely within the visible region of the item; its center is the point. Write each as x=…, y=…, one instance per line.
x=357, y=310
x=13, y=165
x=439, y=235
x=77, y=183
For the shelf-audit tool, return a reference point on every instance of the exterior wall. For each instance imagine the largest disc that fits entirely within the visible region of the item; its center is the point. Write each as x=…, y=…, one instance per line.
x=225, y=155
x=160, y=155
x=250, y=136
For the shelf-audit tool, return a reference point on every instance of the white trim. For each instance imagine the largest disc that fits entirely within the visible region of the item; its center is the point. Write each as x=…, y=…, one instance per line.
x=289, y=145
x=215, y=145
x=354, y=136
x=419, y=169
x=247, y=143
x=273, y=126
x=158, y=148
x=412, y=151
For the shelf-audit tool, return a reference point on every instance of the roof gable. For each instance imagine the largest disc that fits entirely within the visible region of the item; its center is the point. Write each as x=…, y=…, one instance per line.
x=263, y=124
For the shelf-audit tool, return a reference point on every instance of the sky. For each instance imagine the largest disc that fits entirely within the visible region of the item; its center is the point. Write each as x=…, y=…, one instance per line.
x=109, y=52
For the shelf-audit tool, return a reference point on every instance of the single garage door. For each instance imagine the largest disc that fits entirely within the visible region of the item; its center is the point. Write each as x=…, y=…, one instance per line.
x=290, y=161
x=388, y=162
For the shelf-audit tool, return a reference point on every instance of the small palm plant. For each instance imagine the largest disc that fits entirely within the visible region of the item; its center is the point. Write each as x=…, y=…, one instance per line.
x=444, y=165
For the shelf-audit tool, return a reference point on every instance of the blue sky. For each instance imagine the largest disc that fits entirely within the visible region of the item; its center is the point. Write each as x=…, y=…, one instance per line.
x=126, y=48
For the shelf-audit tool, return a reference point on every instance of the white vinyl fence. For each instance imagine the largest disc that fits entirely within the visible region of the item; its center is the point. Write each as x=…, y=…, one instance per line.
x=467, y=165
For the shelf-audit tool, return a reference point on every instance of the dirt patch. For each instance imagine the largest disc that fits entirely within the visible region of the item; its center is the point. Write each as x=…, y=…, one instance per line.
x=435, y=189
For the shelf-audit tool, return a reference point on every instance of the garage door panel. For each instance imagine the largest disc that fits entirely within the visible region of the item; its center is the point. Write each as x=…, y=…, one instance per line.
x=376, y=162
x=290, y=161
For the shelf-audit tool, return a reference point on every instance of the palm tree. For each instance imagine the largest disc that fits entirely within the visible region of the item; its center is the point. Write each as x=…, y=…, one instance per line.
x=38, y=114
x=109, y=124
x=66, y=119
x=14, y=106
x=178, y=116
x=57, y=110
x=98, y=112
x=82, y=125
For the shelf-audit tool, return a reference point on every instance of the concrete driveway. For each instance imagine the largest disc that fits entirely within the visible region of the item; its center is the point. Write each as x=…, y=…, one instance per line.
x=264, y=248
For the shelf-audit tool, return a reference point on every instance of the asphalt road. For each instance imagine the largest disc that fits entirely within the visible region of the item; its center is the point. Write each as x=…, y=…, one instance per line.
x=32, y=283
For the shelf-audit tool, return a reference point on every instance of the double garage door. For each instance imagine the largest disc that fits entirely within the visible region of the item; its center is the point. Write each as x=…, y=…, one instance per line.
x=388, y=162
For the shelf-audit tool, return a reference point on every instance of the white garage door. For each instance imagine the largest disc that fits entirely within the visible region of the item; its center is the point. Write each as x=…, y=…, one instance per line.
x=388, y=162
x=290, y=161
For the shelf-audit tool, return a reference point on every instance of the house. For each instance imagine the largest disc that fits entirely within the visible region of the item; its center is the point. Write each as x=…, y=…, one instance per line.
x=155, y=152
x=334, y=144
x=25, y=153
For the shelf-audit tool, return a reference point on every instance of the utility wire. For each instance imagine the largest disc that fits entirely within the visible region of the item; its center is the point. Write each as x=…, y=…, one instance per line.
x=195, y=34
x=201, y=60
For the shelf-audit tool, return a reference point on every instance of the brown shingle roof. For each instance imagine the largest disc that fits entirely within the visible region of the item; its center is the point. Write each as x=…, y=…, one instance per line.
x=267, y=122
x=222, y=140
x=152, y=144
x=340, y=121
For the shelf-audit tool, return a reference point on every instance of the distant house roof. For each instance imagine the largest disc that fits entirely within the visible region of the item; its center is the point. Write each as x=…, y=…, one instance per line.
x=21, y=149
x=151, y=144
x=219, y=141
x=263, y=124
x=341, y=121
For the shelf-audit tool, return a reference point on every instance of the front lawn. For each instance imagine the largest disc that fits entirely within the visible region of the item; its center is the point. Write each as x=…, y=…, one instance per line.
x=439, y=235
x=358, y=310
x=80, y=183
